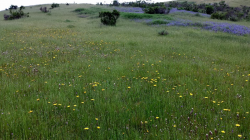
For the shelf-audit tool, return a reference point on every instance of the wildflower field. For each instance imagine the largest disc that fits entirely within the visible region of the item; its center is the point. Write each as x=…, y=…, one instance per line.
x=67, y=76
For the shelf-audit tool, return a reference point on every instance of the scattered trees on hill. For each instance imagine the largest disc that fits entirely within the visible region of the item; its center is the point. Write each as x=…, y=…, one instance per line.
x=15, y=13
x=217, y=10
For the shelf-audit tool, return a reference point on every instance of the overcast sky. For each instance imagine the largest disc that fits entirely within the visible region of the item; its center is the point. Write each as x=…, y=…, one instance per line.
x=6, y=3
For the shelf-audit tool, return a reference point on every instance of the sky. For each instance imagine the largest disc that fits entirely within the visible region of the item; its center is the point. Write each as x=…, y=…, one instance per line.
x=6, y=3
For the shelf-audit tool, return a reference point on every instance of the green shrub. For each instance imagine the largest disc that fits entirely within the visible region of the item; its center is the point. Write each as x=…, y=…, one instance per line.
x=234, y=18
x=197, y=14
x=108, y=18
x=136, y=15
x=79, y=10
x=71, y=26
x=158, y=22
x=219, y=15
x=91, y=10
x=163, y=32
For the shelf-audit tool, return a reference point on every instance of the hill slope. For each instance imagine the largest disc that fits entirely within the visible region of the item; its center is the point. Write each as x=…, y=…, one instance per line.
x=67, y=76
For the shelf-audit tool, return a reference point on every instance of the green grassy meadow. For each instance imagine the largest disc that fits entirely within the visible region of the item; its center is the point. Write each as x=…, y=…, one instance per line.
x=70, y=77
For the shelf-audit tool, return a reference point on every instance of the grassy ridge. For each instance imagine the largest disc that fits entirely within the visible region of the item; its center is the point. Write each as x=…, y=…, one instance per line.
x=235, y=3
x=123, y=82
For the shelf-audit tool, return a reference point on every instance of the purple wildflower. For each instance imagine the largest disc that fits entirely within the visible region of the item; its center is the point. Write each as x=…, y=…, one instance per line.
x=213, y=26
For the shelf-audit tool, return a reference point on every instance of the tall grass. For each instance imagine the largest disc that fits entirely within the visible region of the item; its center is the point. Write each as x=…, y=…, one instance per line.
x=123, y=82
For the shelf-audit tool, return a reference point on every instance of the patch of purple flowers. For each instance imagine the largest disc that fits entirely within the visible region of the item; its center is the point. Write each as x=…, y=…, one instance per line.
x=130, y=9
x=175, y=10
x=213, y=26
x=227, y=28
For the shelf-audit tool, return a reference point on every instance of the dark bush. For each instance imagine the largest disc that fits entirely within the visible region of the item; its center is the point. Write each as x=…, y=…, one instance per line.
x=54, y=5
x=79, y=10
x=149, y=10
x=115, y=3
x=155, y=10
x=13, y=7
x=116, y=14
x=67, y=4
x=108, y=18
x=209, y=9
x=6, y=17
x=44, y=9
